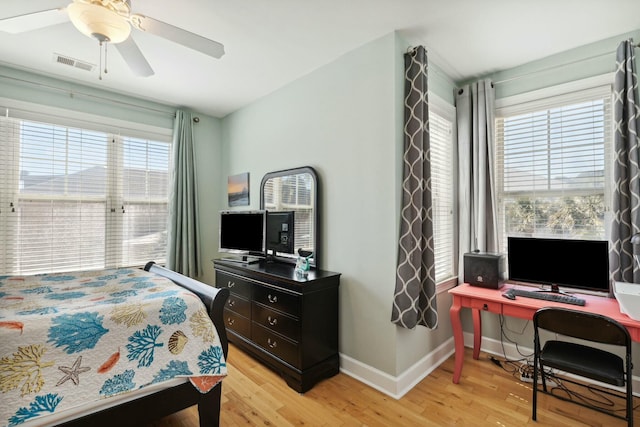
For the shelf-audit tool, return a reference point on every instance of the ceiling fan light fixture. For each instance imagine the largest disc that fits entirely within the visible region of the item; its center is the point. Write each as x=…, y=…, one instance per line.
x=99, y=22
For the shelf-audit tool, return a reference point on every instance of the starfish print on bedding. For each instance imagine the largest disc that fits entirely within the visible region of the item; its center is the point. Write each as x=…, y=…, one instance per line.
x=72, y=373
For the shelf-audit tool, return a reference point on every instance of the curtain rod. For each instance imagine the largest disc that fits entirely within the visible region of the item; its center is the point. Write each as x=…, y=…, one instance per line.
x=554, y=67
x=73, y=93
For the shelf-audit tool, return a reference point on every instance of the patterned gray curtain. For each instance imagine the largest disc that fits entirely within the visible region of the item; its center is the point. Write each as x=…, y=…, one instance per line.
x=184, y=233
x=626, y=192
x=414, y=301
x=477, y=203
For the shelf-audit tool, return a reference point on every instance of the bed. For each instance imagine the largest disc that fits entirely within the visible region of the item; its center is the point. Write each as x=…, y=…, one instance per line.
x=112, y=347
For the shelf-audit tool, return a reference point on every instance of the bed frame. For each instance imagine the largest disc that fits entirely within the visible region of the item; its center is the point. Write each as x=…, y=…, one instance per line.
x=138, y=412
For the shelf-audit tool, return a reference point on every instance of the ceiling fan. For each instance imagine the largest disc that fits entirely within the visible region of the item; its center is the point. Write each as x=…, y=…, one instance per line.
x=110, y=21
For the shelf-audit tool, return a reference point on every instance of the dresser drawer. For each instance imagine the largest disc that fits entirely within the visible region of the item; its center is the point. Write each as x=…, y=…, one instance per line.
x=236, y=285
x=239, y=305
x=275, y=344
x=239, y=324
x=277, y=300
x=276, y=321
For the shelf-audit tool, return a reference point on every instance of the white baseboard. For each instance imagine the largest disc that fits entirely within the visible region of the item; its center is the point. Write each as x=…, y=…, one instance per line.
x=396, y=387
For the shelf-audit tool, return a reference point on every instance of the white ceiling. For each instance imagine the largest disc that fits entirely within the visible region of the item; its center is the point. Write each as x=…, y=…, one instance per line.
x=270, y=43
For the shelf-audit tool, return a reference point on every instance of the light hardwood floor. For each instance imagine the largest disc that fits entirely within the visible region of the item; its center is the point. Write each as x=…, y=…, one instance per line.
x=488, y=395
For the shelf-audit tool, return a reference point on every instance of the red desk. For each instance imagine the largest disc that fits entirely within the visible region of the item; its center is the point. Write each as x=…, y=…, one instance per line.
x=491, y=300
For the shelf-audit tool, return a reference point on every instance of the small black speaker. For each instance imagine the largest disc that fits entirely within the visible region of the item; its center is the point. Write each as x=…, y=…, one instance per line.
x=484, y=269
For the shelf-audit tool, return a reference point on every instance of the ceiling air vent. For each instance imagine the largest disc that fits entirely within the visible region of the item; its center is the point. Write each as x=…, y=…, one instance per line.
x=76, y=63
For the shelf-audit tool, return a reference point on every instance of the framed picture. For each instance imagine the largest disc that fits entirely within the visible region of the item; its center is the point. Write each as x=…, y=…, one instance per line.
x=238, y=189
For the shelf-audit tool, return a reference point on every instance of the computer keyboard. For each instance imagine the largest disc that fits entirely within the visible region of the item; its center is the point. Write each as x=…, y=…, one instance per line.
x=547, y=296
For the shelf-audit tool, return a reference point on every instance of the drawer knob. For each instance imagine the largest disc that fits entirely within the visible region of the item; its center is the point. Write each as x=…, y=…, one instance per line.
x=273, y=298
x=272, y=321
x=230, y=321
x=485, y=307
x=272, y=343
x=230, y=284
x=232, y=303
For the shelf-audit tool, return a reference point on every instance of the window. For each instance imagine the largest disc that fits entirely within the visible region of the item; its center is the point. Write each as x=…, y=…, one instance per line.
x=551, y=165
x=79, y=199
x=441, y=128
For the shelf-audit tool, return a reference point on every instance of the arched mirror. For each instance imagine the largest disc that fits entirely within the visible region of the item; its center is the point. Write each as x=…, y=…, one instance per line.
x=292, y=190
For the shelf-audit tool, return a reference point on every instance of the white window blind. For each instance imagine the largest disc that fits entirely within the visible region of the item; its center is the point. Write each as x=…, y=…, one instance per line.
x=551, y=163
x=78, y=199
x=441, y=133
x=145, y=200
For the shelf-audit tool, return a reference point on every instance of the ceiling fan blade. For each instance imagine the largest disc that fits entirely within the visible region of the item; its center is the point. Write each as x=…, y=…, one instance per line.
x=12, y=8
x=134, y=58
x=178, y=35
x=33, y=20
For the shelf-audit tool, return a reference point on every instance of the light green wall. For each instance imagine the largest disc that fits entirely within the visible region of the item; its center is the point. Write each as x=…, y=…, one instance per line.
x=583, y=62
x=34, y=88
x=341, y=121
x=345, y=120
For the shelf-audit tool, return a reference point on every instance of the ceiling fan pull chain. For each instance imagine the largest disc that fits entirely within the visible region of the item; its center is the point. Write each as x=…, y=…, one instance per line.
x=105, y=57
x=100, y=66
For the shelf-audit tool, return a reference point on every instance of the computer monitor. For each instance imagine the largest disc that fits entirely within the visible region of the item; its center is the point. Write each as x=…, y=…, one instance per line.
x=243, y=233
x=280, y=232
x=578, y=265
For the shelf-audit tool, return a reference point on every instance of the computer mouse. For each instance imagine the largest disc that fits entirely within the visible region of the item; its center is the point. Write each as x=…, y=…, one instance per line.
x=509, y=295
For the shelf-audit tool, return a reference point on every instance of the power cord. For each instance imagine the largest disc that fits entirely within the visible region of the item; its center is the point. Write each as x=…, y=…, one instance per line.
x=508, y=366
x=496, y=361
x=503, y=335
x=522, y=369
x=555, y=385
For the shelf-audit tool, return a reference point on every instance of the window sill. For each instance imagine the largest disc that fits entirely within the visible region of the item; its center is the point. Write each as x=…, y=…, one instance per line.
x=445, y=285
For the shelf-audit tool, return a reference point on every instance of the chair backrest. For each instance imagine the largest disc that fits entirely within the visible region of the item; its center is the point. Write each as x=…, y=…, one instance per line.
x=582, y=324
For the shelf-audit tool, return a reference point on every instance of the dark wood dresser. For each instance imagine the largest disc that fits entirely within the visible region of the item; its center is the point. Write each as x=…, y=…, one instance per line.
x=287, y=322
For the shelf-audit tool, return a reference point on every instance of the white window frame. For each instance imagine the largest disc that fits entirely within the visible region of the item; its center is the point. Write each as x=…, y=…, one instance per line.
x=545, y=99
x=114, y=128
x=444, y=233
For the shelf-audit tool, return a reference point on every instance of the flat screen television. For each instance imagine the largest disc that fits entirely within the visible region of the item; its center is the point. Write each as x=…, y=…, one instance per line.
x=573, y=265
x=280, y=232
x=243, y=233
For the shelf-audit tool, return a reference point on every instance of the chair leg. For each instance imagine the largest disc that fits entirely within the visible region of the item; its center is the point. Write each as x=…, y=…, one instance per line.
x=629, y=392
x=535, y=388
x=535, y=396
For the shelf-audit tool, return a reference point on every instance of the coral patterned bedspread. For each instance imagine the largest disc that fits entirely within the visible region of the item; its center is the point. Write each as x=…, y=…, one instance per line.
x=69, y=338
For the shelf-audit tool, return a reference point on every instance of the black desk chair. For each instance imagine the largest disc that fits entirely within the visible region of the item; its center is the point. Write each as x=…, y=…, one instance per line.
x=582, y=359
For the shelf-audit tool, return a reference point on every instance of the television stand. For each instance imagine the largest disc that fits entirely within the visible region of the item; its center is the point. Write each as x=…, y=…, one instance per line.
x=555, y=289
x=242, y=260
